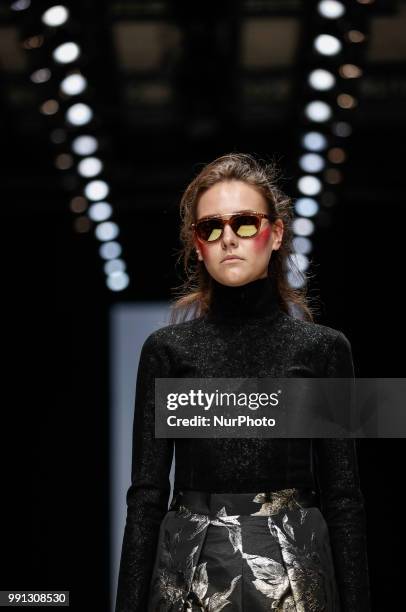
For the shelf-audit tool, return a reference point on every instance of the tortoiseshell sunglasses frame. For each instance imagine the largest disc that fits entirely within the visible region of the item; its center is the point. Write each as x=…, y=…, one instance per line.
x=228, y=219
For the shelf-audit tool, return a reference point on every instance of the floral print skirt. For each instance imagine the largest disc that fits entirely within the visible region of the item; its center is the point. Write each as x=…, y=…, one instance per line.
x=245, y=552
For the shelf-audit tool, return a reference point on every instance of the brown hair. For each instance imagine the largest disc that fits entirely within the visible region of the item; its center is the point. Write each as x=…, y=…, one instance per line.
x=195, y=292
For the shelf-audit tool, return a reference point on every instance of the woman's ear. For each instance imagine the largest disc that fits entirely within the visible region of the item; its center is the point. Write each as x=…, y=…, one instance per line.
x=198, y=253
x=278, y=230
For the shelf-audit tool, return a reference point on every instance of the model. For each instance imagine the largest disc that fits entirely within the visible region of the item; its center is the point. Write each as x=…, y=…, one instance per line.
x=254, y=524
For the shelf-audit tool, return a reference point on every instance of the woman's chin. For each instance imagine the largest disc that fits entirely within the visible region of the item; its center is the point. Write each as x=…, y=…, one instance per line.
x=233, y=277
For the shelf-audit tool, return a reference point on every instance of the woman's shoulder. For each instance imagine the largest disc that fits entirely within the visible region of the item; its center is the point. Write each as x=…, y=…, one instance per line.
x=173, y=332
x=315, y=332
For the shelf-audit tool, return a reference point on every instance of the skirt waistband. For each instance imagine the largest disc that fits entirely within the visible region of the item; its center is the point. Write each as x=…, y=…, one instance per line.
x=262, y=503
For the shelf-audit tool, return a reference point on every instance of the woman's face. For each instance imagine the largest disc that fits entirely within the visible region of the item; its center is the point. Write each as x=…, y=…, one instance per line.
x=253, y=253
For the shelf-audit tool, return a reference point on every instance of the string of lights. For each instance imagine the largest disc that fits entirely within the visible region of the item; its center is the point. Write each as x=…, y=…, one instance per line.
x=59, y=68
x=334, y=50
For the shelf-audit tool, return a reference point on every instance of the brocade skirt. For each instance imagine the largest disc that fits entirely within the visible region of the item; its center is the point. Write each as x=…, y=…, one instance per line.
x=246, y=552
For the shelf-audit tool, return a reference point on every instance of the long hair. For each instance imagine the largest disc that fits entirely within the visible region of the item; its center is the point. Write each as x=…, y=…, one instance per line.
x=194, y=295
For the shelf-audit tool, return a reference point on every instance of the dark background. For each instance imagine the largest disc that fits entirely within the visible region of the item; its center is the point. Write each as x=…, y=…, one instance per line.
x=171, y=89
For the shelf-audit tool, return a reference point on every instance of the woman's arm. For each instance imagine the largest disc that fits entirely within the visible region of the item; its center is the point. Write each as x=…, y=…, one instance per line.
x=148, y=495
x=342, y=500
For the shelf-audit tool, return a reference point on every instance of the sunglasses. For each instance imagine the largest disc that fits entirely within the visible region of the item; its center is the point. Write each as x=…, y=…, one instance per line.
x=244, y=224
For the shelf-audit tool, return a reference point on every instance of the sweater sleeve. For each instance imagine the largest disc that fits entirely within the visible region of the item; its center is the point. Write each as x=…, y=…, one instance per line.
x=342, y=501
x=148, y=496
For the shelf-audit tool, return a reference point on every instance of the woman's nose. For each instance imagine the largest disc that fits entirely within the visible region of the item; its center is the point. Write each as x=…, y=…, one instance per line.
x=228, y=235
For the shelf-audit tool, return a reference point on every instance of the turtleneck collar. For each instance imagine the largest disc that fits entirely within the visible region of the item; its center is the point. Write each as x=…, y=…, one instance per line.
x=258, y=298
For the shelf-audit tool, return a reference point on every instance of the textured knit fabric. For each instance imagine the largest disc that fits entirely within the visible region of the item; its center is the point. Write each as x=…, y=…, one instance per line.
x=245, y=334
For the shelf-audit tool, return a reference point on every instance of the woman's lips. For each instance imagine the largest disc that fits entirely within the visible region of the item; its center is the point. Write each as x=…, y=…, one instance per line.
x=231, y=260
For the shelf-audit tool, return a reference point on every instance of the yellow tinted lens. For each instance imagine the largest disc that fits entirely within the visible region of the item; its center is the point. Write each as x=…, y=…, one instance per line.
x=247, y=230
x=209, y=230
x=214, y=234
x=245, y=226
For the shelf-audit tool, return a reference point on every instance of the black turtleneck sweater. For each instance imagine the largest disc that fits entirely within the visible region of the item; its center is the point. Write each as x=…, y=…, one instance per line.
x=245, y=334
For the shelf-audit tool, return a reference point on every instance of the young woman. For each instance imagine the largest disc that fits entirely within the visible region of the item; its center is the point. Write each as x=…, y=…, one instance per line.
x=244, y=529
